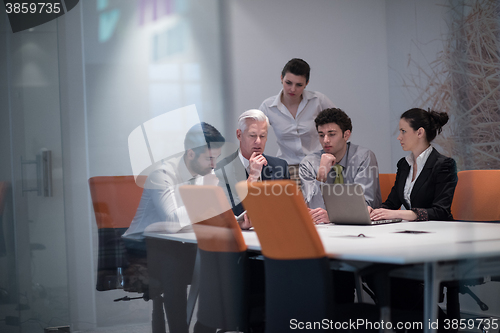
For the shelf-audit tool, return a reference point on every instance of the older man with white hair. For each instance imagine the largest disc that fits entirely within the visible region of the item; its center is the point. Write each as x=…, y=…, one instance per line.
x=249, y=161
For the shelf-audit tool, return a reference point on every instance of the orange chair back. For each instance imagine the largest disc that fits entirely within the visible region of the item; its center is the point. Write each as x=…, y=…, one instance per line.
x=477, y=196
x=386, y=181
x=281, y=219
x=213, y=221
x=115, y=200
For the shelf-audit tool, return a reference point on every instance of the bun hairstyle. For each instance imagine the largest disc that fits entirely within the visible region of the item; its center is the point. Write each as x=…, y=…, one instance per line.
x=431, y=121
x=297, y=67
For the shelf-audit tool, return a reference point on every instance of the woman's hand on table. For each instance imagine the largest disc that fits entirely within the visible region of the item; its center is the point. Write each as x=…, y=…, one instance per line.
x=383, y=214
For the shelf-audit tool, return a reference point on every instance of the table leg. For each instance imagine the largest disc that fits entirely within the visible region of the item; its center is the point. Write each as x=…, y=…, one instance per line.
x=195, y=287
x=359, y=287
x=383, y=290
x=431, y=286
x=158, y=316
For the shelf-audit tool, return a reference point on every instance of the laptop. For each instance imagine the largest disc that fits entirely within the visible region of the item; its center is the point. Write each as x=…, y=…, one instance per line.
x=345, y=204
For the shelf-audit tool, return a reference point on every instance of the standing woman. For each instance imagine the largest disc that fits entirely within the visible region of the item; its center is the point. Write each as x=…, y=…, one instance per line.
x=425, y=180
x=292, y=112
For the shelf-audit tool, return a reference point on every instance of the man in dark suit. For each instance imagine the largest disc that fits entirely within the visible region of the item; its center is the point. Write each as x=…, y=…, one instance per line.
x=249, y=161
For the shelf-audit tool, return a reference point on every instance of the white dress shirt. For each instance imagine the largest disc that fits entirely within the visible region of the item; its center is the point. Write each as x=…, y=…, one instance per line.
x=244, y=161
x=161, y=201
x=297, y=137
x=421, y=159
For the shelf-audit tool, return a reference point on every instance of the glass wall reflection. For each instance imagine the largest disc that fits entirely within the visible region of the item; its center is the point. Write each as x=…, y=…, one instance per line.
x=33, y=274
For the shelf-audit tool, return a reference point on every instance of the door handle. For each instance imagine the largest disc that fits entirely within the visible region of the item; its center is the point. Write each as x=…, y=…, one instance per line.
x=43, y=163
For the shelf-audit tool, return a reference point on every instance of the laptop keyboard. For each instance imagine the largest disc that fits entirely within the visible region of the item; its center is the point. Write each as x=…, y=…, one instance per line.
x=386, y=221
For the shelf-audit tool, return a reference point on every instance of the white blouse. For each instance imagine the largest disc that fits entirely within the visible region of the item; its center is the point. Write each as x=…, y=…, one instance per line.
x=297, y=137
x=421, y=159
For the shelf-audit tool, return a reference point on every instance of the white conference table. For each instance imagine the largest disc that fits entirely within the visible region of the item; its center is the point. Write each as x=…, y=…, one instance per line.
x=430, y=251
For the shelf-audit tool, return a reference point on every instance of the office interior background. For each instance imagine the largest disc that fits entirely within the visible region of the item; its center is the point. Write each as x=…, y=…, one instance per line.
x=79, y=85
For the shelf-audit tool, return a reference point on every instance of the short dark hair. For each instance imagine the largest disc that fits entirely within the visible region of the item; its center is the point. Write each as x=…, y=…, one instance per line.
x=203, y=136
x=431, y=121
x=297, y=67
x=334, y=115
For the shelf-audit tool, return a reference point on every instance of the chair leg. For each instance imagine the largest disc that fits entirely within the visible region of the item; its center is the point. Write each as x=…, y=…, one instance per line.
x=195, y=288
x=481, y=304
x=452, y=301
x=158, y=317
x=359, y=287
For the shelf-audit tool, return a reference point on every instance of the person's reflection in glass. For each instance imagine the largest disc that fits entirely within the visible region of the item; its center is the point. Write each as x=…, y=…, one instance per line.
x=161, y=209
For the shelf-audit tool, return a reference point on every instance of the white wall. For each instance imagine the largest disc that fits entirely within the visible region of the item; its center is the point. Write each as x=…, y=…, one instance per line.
x=415, y=30
x=345, y=44
x=146, y=67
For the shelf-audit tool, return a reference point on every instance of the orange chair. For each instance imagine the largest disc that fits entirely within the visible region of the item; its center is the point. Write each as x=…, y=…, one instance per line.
x=475, y=199
x=476, y=196
x=386, y=181
x=297, y=270
x=223, y=297
x=115, y=200
x=282, y=222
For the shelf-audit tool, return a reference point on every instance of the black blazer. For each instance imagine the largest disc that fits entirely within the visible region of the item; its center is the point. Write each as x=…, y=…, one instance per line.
x=231, y=171
x=432, y=193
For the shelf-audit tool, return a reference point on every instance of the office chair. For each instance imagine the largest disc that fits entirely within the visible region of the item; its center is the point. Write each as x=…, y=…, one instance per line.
x=475, y=199
x=386, y=181
x=476, y=196
x=223, y=298
x=115, y=200
x=297, y=270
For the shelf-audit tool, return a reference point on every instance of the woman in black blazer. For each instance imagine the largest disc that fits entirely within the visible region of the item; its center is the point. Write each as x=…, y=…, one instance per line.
x=425, y=184
x=425, y=180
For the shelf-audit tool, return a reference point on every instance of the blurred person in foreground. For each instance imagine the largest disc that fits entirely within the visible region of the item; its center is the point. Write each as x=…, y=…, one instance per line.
x=161, y=209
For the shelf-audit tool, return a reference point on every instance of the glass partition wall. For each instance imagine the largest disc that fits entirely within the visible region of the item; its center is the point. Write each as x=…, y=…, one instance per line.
x=33, y=264
x=139, y=60
x=74, y=89
x=142, y=60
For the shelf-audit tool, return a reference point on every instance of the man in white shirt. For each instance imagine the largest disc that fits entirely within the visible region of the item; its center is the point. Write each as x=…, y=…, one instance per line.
x=161, y=204
x=161, y=201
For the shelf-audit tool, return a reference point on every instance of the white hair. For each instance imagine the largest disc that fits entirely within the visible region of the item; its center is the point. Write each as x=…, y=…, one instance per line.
x=253, y=114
